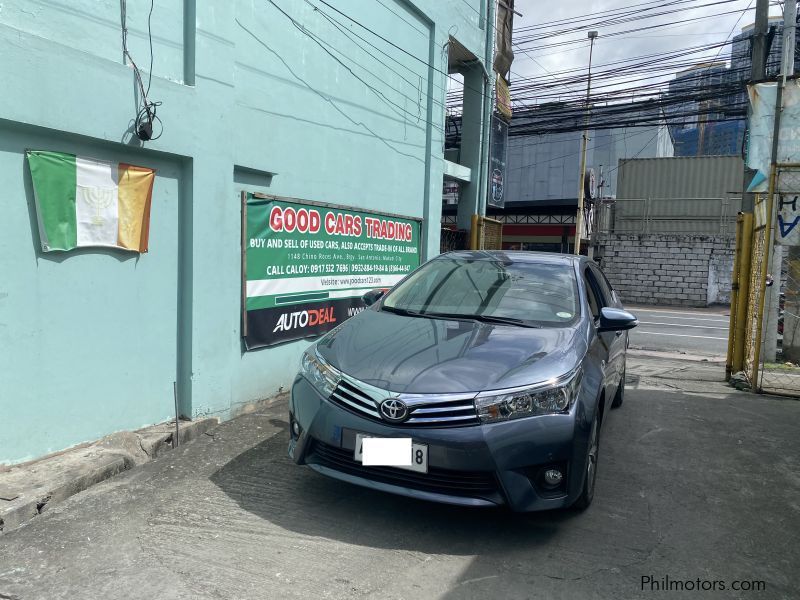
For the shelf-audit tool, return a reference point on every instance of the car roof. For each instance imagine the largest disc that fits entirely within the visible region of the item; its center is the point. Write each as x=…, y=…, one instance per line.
x=515, y=256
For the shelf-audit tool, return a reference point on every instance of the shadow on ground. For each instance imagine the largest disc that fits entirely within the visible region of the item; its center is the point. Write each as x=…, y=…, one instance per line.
x=306, y=502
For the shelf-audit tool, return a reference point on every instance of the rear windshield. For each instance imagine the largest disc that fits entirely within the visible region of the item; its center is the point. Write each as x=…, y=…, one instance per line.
x=545, y=294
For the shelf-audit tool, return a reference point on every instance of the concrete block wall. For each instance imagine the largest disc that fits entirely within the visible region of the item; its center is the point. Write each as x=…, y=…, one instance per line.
x=672, y=270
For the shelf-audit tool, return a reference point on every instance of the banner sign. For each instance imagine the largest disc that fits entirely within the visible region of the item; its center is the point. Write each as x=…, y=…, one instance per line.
x=503, y=97
x=761, y=125
x=306, y=266
x=497, y=161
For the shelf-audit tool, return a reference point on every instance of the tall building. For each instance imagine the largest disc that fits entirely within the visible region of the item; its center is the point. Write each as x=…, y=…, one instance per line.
x=694, y=120
x=719, y=128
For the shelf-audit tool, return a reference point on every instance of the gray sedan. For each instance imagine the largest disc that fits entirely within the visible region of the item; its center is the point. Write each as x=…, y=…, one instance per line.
x=481, y=379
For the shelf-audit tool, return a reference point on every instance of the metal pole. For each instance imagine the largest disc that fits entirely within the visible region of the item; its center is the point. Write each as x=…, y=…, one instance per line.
x=737, y=261
x=579, y=217
x=743, y=293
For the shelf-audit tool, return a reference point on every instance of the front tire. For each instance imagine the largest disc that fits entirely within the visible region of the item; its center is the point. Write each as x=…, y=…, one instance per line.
x=590, y=474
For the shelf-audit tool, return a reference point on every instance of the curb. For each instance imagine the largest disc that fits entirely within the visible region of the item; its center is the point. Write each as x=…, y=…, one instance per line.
x=27, y=490
x=712, y=359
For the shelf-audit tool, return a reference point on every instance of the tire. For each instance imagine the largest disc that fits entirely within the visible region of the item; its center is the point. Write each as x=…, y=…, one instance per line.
x=590, y=474
x=620, y=395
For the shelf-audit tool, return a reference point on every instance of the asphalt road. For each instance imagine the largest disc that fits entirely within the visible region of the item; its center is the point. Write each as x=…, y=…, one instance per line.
x=692, y=331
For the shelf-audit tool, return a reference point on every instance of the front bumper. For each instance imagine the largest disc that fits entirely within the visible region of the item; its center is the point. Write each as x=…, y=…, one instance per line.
x=480, y=465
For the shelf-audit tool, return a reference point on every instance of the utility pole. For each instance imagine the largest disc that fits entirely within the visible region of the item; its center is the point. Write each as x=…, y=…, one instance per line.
x=774, y=258
x=758, y=68
x=579, y=226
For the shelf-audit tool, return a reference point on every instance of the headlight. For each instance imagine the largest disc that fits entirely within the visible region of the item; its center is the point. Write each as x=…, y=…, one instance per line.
x=537, y=400
x=321, y=375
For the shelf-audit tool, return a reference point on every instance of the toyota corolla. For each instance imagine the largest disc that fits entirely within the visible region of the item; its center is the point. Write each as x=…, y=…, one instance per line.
x=481, y=379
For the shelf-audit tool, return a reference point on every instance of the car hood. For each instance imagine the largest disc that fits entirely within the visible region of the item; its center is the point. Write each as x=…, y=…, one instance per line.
x=417, y=355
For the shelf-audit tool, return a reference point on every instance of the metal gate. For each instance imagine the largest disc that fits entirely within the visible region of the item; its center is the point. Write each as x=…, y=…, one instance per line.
x=771, y=328
x=752, y=340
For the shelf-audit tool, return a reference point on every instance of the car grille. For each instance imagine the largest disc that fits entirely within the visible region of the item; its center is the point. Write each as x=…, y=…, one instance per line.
x=425, y=411
x=439, y=481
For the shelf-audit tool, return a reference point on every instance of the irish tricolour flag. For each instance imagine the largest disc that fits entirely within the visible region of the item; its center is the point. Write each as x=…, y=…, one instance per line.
x=88, y=202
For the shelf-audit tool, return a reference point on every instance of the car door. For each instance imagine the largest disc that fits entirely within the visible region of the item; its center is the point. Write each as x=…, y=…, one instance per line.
x=617, y=340
x=604, y=341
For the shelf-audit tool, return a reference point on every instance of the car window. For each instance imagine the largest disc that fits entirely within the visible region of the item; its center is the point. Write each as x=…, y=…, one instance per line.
x=603, y=285
x=544, y=293
x=591, y=293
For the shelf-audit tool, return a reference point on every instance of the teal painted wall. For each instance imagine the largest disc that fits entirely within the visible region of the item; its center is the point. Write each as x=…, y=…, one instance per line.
x=91, y=340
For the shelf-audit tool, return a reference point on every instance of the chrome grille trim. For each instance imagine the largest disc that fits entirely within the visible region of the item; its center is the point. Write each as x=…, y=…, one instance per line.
x=355, y=392
x=358, y=407
x=456, y=410
x=422, y=420
x=428, y=411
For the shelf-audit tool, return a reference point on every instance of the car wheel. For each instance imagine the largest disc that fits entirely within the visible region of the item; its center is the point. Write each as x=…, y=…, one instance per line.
x=620, y=396
x=590, y=475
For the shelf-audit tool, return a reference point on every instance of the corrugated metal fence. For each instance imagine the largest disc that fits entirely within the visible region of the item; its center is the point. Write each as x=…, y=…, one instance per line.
x=681, y=177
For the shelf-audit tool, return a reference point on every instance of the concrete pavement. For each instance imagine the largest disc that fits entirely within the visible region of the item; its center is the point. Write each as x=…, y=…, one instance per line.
x=696, y=481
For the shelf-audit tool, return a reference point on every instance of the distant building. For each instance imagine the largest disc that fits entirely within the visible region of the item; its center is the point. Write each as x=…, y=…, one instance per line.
x=545, y=167
x=719, y=131
x=541, y=186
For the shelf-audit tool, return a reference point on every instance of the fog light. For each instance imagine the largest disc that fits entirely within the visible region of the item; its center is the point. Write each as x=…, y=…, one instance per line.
x=295, y=428
x=553, y=477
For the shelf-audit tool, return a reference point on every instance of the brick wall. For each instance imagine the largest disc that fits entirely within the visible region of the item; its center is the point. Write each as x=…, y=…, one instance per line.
x=673, y=270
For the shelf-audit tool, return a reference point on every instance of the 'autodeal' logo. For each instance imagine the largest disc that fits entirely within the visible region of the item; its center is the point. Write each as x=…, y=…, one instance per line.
x=305, y=318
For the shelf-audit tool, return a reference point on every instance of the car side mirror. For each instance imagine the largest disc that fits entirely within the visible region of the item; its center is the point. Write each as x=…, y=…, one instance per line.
x=615, y=319
x=372, y=296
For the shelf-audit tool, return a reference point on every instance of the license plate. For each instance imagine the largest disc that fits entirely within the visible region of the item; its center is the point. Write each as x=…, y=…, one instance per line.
x=419, y=454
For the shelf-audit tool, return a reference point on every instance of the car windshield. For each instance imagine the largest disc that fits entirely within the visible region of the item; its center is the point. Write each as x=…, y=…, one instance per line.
x=543, y=293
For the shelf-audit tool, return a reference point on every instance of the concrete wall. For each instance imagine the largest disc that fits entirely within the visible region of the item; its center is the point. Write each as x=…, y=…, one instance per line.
x=92, y=340
x=672, y=270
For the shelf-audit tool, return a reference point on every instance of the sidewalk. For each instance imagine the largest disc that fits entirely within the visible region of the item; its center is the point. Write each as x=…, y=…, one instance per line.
x=674, y=371
x=29, y=489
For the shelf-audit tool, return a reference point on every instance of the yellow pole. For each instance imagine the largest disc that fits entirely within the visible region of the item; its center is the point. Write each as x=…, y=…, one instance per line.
x=473, y=233
x=765, y=260
x=737, y=259
x=743, y=293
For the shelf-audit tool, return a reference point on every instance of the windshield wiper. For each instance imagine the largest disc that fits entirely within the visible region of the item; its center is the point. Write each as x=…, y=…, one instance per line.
x=485, y=319
x=425, y=314
x=403, y=311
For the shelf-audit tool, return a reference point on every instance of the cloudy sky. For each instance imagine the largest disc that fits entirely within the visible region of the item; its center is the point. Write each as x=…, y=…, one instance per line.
x=540, y=62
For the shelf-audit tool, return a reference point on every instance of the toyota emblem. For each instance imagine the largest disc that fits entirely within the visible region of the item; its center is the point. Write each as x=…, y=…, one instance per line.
x=394, y=410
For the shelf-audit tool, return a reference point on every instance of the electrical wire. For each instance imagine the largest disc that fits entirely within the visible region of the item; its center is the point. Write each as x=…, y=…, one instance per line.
x=146, y=117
